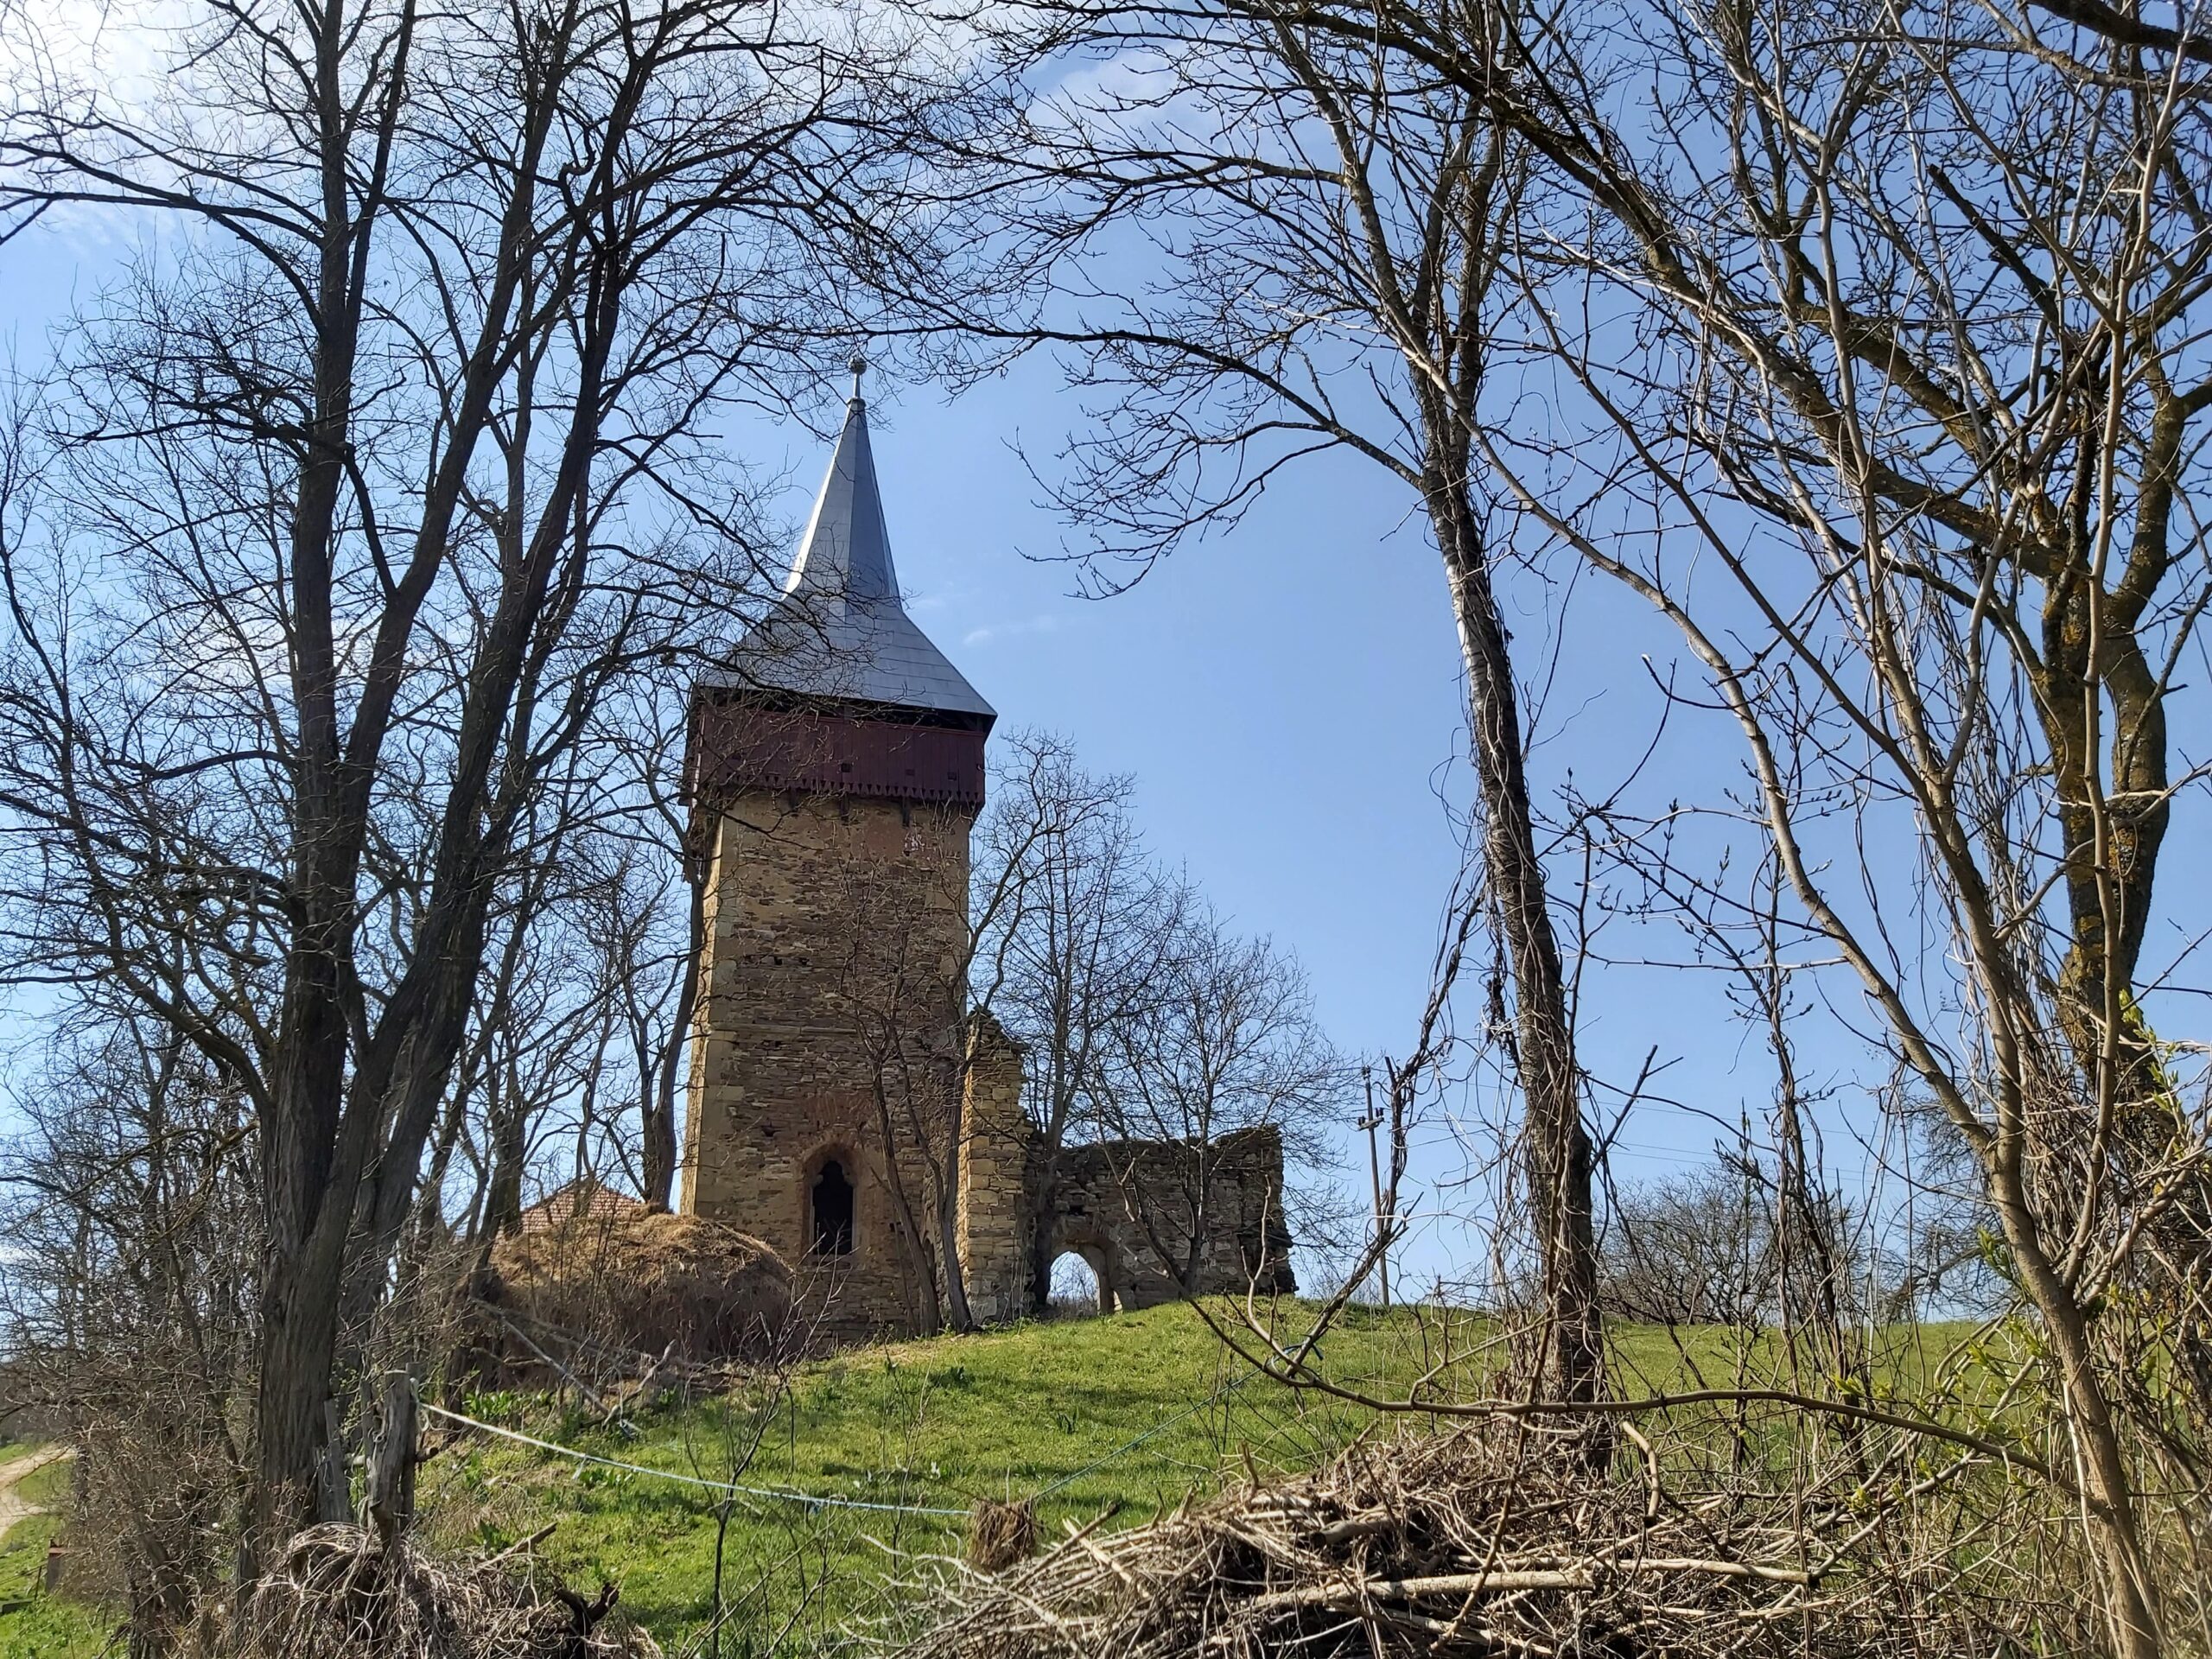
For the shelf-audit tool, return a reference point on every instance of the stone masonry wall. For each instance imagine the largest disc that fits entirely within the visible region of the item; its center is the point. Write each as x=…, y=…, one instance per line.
x=1130, y=1208
x=995, y=1153
x=834, y=932
x=835, y=929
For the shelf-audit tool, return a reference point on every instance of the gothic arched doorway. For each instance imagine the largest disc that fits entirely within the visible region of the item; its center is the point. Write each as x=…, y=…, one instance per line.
x=830, y=1209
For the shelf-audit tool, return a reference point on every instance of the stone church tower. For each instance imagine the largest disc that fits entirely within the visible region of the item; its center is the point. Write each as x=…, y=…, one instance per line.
x=835, y=771
x=844, y=1107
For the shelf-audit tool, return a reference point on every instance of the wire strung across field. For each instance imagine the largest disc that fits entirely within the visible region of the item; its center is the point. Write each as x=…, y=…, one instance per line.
x=814, y=1500
x=1221, y=1392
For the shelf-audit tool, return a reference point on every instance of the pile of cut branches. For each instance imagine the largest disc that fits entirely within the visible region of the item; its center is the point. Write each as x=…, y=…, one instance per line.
x=1487, y=1541
x=337, y=1592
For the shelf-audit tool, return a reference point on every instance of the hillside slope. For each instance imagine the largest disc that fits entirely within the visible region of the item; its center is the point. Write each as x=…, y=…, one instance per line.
x=1127, y=1414
x=1118, y=1417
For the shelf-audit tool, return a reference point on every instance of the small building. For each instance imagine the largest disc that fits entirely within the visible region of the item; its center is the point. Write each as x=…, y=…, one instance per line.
x=584, y=1198
x=843, y=1105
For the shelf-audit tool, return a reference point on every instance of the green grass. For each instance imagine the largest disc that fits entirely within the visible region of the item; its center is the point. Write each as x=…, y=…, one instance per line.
x=1130, y=1415
x=33, y=1625
x=1093, y=1415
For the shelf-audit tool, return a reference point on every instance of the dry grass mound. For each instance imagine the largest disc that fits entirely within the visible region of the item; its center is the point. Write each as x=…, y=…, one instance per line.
x=1000, y=1535
x=639, y=1282
x=337, y=1593
x=1473, y=1544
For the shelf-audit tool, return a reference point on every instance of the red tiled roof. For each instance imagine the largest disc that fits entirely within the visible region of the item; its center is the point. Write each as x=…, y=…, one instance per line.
x=582, y=1196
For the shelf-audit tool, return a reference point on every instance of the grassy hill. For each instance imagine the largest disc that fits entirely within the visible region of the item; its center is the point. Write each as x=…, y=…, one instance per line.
x=1128, y=1414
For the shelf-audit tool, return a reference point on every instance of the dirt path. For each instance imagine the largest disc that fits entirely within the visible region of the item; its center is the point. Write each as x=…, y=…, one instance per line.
x=14, y=1506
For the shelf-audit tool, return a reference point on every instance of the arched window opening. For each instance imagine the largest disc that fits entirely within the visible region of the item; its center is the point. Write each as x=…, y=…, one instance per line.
x=832, y=1206
x=1077, y=1290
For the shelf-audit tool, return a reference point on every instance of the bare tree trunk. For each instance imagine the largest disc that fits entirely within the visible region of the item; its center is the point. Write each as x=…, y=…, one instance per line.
x=922, y=1278
x=1044, y=1201
x=299, y=1330
x=1555, y=1146
x=2107, y=1490
x=390, y=1498
x=957, y=1312
x=416, y=603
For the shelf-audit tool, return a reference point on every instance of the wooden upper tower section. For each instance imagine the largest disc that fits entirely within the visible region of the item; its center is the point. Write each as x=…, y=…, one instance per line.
x=835, y=691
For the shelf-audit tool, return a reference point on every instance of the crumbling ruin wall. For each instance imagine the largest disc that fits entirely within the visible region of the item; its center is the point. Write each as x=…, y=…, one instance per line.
x=993, y=1230
x=1161, y=1219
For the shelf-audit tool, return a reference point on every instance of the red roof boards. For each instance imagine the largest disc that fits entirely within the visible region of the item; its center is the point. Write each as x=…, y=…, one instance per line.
x=581, y=1198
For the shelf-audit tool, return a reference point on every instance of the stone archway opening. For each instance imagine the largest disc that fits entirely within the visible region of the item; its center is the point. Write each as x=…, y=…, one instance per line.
x=1079, y=1287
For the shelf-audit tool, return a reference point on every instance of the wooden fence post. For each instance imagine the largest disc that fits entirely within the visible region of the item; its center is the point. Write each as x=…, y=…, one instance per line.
x=392, y=1459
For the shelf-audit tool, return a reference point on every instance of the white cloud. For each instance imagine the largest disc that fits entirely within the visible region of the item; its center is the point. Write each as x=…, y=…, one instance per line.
x=1047, y=622
x=125, y=53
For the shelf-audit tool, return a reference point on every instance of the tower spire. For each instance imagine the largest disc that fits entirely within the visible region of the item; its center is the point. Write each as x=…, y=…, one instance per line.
x=844, y=559
x=840, y=632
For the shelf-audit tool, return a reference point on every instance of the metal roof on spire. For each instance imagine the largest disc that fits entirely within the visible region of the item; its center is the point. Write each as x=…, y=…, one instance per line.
x=840, y=632
x=845, y=556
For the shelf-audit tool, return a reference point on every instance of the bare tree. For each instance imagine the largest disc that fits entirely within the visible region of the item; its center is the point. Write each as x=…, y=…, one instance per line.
x=1072, y=916
x=588, y=977
x=1867, y=345
x=1697, y=1250
x=355, y=496
x=1912, y=373
x=1323, y=219
x=1705, y=1247
x=1144, y=1022
x=654, y=923
x=1226, y=1041
x=127, y=1219
x=1743, y=926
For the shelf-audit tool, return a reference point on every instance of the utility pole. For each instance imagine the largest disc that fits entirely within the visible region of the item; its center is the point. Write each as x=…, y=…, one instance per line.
x=1371, y=1122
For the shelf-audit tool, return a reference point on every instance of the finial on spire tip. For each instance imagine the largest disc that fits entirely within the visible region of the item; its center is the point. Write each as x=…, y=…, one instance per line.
x=859, y=366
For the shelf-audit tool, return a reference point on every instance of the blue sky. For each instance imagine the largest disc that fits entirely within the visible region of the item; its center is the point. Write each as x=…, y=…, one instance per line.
x=1287, y=697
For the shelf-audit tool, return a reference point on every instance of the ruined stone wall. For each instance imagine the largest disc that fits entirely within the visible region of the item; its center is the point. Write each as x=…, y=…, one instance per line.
x=995, y=1138
x=834, y=929
x=1131, y=1208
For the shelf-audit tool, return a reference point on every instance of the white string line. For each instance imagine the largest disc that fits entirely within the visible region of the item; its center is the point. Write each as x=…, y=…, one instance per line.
x=1226, y=1387
x=784, y=1494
